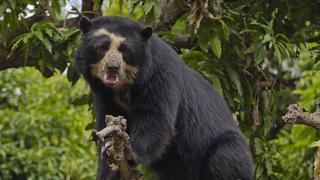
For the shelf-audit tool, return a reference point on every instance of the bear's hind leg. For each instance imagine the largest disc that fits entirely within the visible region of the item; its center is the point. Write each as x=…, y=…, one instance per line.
x=229, y=160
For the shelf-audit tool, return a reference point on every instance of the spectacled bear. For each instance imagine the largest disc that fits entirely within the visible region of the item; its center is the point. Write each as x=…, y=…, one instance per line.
x=177, y=123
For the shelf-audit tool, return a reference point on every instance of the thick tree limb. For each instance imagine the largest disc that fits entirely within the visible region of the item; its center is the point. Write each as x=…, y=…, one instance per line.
x=15, y=61
x=183, y=41
x=296, y=115
x=115, y=149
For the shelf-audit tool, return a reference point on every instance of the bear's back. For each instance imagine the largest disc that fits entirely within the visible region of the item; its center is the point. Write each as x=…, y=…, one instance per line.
x=200, y=106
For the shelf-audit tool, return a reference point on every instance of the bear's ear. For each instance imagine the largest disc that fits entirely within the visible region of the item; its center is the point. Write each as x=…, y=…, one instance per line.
x=85, y=24
x=146, y=33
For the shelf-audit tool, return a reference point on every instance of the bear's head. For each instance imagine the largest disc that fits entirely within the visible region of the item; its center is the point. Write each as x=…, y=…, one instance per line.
x=112, y=50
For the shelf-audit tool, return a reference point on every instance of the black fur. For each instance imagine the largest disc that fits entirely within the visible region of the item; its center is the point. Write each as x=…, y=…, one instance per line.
x=177, y=123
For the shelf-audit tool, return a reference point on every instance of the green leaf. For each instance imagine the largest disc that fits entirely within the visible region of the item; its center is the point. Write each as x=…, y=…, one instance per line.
x=234, y=77
x=216, y=45
x=121, y=3
x=277, y=53
x=242, y=6
x=253, y=47
x=225, y=30
x=56, y=6
x=49, y=32
x=3, y=7
x=315, y=144
x=259, y=171
x=258, y=146
x=168, y=36
x=12, y=4
x=157, y=11
x=180, y=25
x=96, y=5
x=48, y=63
x=89, y=126
x=148, y=6
x=81, y=100
x=27, y=38
x=266, y=38
x=47, y=44
x=39, y=35
x=269, y=166
x=42, y=64
x=16, y=43
x=203, y=46
x=247, y=31
x=149, y=17
x=72, y=74
x=260, y=55
x=217, y=84
x=43, y=26
x=70, y=32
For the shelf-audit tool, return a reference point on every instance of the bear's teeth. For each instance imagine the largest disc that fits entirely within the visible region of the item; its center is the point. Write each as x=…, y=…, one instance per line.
x=110, y=79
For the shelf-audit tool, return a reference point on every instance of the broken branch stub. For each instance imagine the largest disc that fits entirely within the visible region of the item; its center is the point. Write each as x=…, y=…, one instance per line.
x=115, y=149
x=296, y=115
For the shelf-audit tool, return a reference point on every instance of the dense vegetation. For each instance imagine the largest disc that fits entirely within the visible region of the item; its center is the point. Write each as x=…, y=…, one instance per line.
x=260, y=55
x=42, y=133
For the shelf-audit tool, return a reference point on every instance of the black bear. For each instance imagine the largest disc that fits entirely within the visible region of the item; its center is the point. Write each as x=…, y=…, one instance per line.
x=177, y=123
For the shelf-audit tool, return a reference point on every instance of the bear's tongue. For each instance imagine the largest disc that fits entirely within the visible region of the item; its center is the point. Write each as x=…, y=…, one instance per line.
x=111, y=79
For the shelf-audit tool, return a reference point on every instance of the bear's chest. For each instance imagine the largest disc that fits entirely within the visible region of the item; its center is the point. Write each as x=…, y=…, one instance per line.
x=123, y=100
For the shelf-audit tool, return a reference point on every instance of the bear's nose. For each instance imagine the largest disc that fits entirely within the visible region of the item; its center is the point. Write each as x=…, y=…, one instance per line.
x=113, y=67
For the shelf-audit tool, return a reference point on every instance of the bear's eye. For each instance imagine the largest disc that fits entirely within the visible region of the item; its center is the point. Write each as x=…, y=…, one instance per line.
x=123, y=48
x=102, y=47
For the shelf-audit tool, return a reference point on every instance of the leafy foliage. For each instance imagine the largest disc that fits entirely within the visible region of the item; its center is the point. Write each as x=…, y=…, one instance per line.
x=42, y=134
x=49, y=44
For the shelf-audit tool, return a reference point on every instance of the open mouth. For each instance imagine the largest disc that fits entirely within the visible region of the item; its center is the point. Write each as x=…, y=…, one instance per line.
x=110, y=79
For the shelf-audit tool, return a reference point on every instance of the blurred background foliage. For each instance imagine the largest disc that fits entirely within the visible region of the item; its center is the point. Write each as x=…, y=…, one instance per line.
x=260, y=55
x=42, y=134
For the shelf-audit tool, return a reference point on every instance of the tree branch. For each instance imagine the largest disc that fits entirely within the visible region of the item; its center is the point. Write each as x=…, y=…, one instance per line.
x=15, y=61
x=183, y=41
x=296, y=115
x=115, y=149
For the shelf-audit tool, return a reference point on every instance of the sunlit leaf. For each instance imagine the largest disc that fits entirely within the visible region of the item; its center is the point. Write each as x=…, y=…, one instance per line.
x=225, y=30
x=148, y=6
x=216, y=45
x=315, y=144
x=261, y=53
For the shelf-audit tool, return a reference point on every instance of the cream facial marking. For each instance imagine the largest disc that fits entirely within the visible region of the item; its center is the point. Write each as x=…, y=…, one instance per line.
x=113, y=57
x=115, y=40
